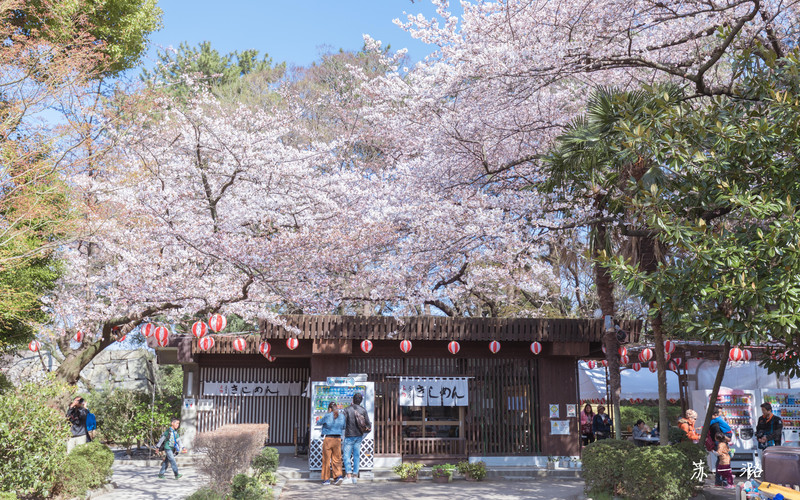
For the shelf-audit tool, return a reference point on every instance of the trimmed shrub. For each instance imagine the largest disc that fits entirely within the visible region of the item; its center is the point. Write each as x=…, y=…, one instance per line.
x=267, y=460
x=657, y=473
x=87, y=467
x=126, y=417
x=7, y=496
x=677, y=435
x=229, y=451
x=244, y=487
x=33, y=437
x=603, y=465
x=206, y=493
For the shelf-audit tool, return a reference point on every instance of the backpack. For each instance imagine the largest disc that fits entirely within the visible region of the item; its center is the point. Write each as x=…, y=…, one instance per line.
x=361, y=422
x=91, y=422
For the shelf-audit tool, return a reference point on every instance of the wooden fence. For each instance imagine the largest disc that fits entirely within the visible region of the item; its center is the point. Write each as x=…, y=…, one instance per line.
x=282, y=413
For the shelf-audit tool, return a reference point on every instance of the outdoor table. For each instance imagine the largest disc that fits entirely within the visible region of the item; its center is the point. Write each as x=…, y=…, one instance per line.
x=649, y=439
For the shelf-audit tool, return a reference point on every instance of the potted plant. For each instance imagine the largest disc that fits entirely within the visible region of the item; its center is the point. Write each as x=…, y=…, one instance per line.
x=408, y=471
x=474, y=471
x=443, y=473
x=563, y=463
x=551, y=462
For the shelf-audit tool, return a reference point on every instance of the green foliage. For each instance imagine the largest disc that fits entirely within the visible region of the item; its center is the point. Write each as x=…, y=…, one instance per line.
x=4, y=495
x=122, y=25
x=244, y=487
x=265, y=465
x=694, y=452
x=630, y=414
x=677, y=435
x=476, y=470
x=126, y=417
x=603, y=464
x=657, y=473
x=5, y=384
x=443, y=470
x=407, y=469
x=33, y=437
x=210, y=68
x=206, y=493
x=87, y=467
x=727, y=209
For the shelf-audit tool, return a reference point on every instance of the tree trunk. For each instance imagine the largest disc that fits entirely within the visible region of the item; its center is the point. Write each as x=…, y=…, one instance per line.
x=663, y=419
x=70, y=369
x=605, y=294
x=712, y=398
x=649, y=264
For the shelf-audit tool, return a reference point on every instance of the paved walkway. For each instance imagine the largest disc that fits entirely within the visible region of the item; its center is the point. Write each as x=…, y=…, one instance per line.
x=135, y=481
x=140, y=482
x=544, y=489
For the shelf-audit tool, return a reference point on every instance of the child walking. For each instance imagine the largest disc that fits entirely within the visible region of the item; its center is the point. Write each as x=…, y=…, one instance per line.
x=724, y=477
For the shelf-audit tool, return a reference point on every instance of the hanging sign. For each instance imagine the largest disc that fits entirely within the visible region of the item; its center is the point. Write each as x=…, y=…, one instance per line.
x=252, y=388
x=433, y=391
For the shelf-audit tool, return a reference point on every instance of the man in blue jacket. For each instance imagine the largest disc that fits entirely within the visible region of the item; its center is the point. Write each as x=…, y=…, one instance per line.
x=171, y=441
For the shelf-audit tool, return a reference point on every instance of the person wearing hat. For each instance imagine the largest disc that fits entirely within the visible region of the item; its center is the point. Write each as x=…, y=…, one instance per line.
x=769, y=428
x=687, y=423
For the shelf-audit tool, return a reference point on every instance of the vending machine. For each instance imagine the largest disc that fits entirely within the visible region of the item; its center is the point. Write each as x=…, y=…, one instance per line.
x=739, y=409
x=786, y=404
x=341, y=390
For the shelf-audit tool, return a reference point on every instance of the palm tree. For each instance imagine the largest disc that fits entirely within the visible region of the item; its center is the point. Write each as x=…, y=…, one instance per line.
x=591, y=161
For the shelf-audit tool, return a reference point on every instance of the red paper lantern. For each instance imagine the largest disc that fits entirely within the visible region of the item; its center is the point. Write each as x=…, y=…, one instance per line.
x=217, y=322
x=148, y=329
x=653, y=366
x=603, y=348
x=636, y=366
x=34, y=345
x=79, y=335
x=206, y=343
x=669, y=346
x=672, y=366
x=638, y=400
x=271, y=358
x=677, y=361
x=735, y=354
x=623, y=351
x=604, y=363
x=591, y=364
x=494, y=346
x=366, y=346
x=536, y=347
x=405, y=346
x=672, y=400
x=264, y=348
x=240, y=344
x=454, y=347
x=624, y=359
x=666, y=356
x=162, y=335
x=199, y=329
x=122, y=339
x=292, y=344
x=747, y=355
x=646, y=355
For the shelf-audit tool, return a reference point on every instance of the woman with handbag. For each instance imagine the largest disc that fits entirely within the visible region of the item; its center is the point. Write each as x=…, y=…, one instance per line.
x=587, y=416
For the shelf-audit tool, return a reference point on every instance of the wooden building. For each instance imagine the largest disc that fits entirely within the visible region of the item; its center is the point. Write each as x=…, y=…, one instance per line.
x=510, y=392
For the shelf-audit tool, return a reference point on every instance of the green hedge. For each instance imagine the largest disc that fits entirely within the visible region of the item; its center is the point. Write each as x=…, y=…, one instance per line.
x=87, y=467
x=657, y=473
x=33, y=437
x=647, y=473
x=603, y=465
x=206, y=493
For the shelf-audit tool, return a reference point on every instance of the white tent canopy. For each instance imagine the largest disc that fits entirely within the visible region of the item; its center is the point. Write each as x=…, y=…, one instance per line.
x=644, y=384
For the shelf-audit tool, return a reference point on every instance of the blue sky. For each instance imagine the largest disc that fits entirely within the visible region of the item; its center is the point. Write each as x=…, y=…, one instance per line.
x=295, y=31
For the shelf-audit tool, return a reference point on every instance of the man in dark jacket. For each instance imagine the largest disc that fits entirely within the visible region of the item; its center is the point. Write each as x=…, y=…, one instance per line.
x=769, y=428
x=76, y=414
x=353, y=434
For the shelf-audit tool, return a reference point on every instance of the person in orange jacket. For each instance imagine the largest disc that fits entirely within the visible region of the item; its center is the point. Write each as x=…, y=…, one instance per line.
x=686, y=424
